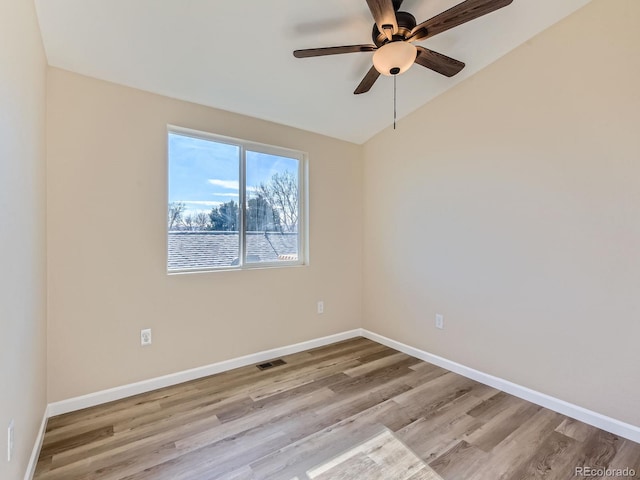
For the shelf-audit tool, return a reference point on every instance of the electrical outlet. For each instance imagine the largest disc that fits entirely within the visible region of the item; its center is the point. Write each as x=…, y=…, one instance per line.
x=145, y=337
x=10, y=441
x=439, y=321
x=320, y=306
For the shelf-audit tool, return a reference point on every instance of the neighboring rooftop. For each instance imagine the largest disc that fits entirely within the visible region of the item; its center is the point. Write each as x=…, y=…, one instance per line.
x=204, y=249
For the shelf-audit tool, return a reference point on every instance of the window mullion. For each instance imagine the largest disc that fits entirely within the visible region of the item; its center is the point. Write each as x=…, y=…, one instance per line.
x=242, y=205
x=301, y=208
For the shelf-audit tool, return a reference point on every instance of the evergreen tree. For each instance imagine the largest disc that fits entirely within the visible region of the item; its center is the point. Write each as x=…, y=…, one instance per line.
x=225, y=217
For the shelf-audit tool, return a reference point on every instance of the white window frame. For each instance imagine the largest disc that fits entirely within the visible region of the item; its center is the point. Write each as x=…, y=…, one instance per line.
x=303, y=212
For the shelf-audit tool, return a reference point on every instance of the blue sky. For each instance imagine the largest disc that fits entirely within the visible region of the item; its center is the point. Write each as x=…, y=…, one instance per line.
x=204, y=173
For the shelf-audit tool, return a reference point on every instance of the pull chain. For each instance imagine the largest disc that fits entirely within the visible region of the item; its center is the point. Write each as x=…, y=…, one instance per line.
x=394, y=101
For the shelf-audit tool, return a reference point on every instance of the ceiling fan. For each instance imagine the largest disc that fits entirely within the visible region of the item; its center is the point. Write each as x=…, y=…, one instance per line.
x=394, y=33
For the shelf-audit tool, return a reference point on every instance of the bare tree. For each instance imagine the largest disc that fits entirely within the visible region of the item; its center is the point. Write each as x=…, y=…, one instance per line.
x=201, y=221
x=281, y=192
x=188, y=222
x=176, y=209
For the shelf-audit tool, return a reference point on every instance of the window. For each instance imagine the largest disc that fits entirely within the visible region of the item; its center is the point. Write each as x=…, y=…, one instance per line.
x=233, y=204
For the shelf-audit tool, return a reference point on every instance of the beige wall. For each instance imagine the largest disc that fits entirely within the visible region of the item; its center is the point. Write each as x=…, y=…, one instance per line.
x=107, y=244
x=22, y=232
x=514, y=202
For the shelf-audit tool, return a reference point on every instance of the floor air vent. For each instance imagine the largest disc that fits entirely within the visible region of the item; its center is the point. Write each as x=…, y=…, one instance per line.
x=271, y=364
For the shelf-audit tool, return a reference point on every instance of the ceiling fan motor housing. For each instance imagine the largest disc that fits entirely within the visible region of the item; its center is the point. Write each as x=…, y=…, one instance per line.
x=406, y=23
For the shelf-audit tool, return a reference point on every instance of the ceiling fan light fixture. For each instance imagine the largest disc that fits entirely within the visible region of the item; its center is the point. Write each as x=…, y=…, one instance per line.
x=394, y=58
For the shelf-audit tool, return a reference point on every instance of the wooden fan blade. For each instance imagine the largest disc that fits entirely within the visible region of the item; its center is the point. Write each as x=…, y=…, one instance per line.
x=368, y=81
x=461, y=13
x=385, y=16
x=319, y=52
x=437, y=62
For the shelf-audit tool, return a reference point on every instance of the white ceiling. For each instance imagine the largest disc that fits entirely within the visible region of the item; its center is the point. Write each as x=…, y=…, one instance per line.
x=237, y=54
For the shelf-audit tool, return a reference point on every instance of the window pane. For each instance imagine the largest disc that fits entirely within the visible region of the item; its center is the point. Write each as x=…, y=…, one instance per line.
x=203, y=220
x=272, y=208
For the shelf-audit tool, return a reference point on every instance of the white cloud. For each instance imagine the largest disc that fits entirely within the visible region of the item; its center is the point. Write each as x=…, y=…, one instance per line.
x=228, y=184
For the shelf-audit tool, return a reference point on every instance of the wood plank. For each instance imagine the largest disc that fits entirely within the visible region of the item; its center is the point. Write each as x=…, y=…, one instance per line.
x=599, y=450
x=459, y=461
x=553, y=457
x=627, y=458
x=505, y=422
x=518, y=447
x=383, y=456
x=283, y=422
x=575, y=429
x=298, y=457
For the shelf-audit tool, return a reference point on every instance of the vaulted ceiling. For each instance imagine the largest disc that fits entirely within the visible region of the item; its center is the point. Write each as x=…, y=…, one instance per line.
x=236, y=55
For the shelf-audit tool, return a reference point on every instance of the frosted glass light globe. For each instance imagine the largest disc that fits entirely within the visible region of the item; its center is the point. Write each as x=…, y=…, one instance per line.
x=397, y=55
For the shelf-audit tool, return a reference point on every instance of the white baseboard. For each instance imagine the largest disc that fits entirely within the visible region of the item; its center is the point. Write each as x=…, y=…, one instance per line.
x=617, y=427
x=35, y=453
x=111, y=394
x=608, y=424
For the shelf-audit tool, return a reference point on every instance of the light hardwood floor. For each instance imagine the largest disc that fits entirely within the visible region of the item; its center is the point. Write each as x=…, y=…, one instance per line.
x=283, y=422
